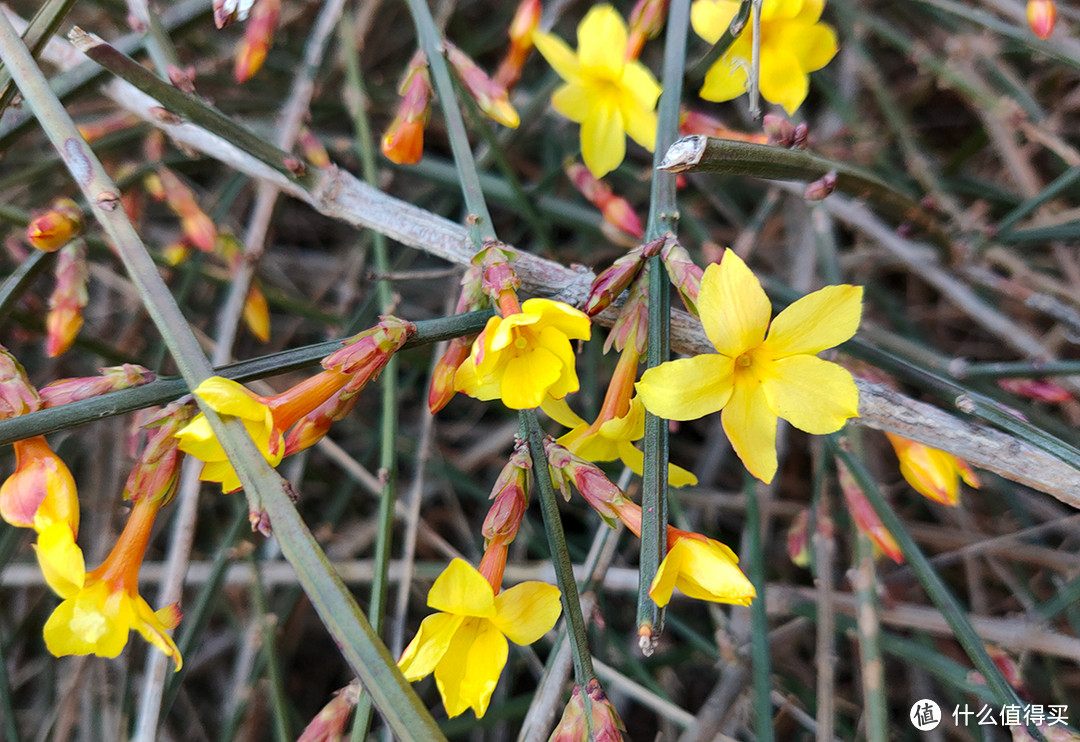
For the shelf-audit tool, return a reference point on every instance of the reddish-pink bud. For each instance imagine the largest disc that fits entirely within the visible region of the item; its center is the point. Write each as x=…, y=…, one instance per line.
x=329, y=724
x=616, y=210
x=778, y=130
x=866, y=519
x=498, y=277
x=632, y=325
x=258, y=37
x=490, y=96
x=684, y=273
x=113, y=378
x=646, y=20
x=17, y=396
x=52, y=230
x=820, y=188
x=64, y=320
x=442, y=378
x=511, y=497
x=1041, y=390
x=1041, y=16
x=601, y=493
x=367, y=353
x=312, y=148
x=156, y=473
x=613, y=280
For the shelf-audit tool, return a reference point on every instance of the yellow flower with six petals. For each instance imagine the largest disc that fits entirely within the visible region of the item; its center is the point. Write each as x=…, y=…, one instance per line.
x=793, y=44
x=525, y=357
x=757, y=378
x=227, y=397
x=465, y=644
x=610, y=97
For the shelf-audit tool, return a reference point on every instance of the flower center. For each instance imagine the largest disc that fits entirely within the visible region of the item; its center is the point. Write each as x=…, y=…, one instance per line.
x=521, y=343
x=744, y=360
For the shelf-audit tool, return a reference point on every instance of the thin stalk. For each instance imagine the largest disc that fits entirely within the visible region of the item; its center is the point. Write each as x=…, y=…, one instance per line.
x=167, y=389
x=755, y=61
x=158, y=44
x=42, y=26
x=279, y=701
x=738, y=23
x=759, y=637
x=403, y=710
x=869, y=632
x=560, y=553
x=1051, y=190
x=10, y=729
x=663, y=218
x=16, y=284
x=935, y=587
x=479, y=221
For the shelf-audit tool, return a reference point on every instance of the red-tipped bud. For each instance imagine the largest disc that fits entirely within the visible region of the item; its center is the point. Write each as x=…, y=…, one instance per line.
x=613, y=280
x=489, y=95
x=1041, y=390
x=366, y=354
x=511, y=496
x=646, y=20
x=497, y=276
x=632, y=326
x=1041, y=16
x=112, y=379
x=601, y=493
x=866, y=519
x=198, y=228
x=312, y=148
x=41, y=491
x=257, y=314
x=182, y=78
x=526, y=20
x=820, y=188
x=52, y=230
x=17, y=396
x=778, y=130
x=601, y=718
x=615, y=209
x=403, y=142
x=329, y=724
x=64, y=320
x=684, y=273
x=258, y=37
x=442, y=378
x=156, y=473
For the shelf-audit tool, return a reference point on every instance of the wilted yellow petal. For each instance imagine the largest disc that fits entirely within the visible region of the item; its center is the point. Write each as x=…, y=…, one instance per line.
x=815, y=396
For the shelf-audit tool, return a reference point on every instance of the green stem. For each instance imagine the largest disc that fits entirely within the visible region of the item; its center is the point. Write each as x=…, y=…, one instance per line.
x=42, y=26
x=560, y=553
x=869, y=631
x=663, y=218
x=480, y=226
x=759, y=638
x=279, y=700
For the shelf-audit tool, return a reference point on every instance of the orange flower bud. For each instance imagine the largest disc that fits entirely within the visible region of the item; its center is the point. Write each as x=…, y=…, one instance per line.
x=646, y=20
x=403, y=142
x=933, y=473
x=1041, y=16
x=442, y=378
x=312, y=148
x=526, y=20
x=511, y=497
x=64, y=320
x=489, y=95
x=258, y=37
x=52, y=230
x=866, y=519
x=615, y=209
x=257, y=314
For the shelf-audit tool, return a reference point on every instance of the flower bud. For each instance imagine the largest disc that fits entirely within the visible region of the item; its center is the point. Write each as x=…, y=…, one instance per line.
x=1041, y=16
x=156, y=473
x=600, y=717
x=684, y=273
x=489, y=95
x=511, y=496
x=696, y=122
x=257, y=314
x=866, y=519
x=112, y=379
x=64, y=320
x=329, y=724
x=498, y=279
x=931, y=472
x=175, y=253
x=442, y=378
x=198, y=228
x=312, y=148
x=110, y=124
x=1040, y=390
x=526, y=20
x=403, y=142
x=258, y=37
x=52, y=230
x=366, y=354
x=601, y=493
x=615, y=209
x=17, y=395
x=646, y=20
x=632, y=326
x=798, y=539
x=820, y=188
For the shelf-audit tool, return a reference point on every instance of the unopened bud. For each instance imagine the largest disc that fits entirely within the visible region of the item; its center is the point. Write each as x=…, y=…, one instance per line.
x=601, y=493
x=329, y=724
x=798, y=539
x=366, y=354
x=175, y=253
x=702, y=124
x=613, y=280
x=498, y=277
x=646, y=20
x=1041, y=390
x=820, y=188
x=258, y=37
x=41, y=491
x=778, y=130
x=64, y=320
x=199, y=230
x=111, y=379
x=511, y=496
x=257, y=314
x=866, y=519
x=489, y=95
x=312, y=148
x=616, y=210
x=442, y=378
x=632, y=325
x=800, y=136
x=526, y=20
x=156, y=473
x=52, y=230
x=606, y=724
x=107, y=125
x=403, y=142
x=182, y=78
x=17, y=395
x=1041, y=16
x=684, y=273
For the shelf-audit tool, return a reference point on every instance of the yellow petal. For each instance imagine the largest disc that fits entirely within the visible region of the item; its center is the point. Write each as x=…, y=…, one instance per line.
x=751, y=427
x=603, y=139
x=640, y=82
x=635, y=460
x=782, y=80
x=559, y=55
x=559, y=411
x=733, y=307
x=227, y=397
x=710, y=18
x=640, y=122
x=571, y=322
x=197, y=436
x=429, y=645
x=59, y=639
x=688, y=388
x=149, y=625
x=726, y=80
x=629, y=427
x=60, y=559
x=470, y=669
x=817, y=321
x=663, y=584
x=466, y=379
x=602, y=40
x=813, y=395
x=813, y=44
x=460, y=589
x=780, y=10
x=508, y=329
x=528, y=377
x=527, y=611
x=810, y=11
x=571, y=101
x=710, y=572
x=593, y=447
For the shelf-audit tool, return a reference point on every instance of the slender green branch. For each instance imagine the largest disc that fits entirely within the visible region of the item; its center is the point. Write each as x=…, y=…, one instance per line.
x=663, y=218
x=42, y=26
x=560, y=553
x=761, y=664
x=711, y=155
x=869, y=631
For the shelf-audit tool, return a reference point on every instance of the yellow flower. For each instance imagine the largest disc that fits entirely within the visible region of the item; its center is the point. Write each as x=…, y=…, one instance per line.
x=525, y=357
x=700, y=568
x=612, y=439
x=465, y=644
x=101, y=607
x=933, y=473
x=610, y=97
x=793, y=44
x=227, y=397
x=756, y=379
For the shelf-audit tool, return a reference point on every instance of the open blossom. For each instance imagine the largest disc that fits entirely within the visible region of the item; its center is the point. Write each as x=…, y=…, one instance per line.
x=794, y=43
x=102, y=607
x=465, y=643
x=524, y=357
x=610, y=97
x=762, y=371
x=933, y=473
x=701, y=568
